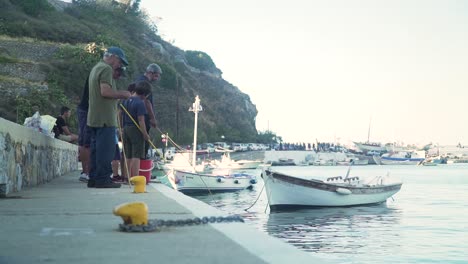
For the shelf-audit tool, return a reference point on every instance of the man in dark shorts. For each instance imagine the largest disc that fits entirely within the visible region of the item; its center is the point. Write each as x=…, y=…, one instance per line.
x=134, y=137
x=152, y=74
x=84, y=133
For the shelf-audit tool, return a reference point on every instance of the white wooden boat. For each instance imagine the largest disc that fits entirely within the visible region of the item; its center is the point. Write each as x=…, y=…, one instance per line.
x=215, y=181
x=285, y=191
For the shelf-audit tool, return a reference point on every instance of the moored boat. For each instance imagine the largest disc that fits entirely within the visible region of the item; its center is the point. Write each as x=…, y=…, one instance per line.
x=370, y=146
x=206, y=179
x=286, y=191
x=227, y=163
x=403, y=158
x=215, y=181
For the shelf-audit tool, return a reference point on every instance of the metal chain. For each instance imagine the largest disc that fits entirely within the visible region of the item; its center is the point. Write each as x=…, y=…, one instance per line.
x=155, y=224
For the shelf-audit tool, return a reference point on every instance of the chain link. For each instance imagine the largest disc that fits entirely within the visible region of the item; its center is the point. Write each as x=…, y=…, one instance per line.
x=155, y=224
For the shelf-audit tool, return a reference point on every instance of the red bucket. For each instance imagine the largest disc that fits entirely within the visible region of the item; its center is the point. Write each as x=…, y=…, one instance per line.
x=146, y=166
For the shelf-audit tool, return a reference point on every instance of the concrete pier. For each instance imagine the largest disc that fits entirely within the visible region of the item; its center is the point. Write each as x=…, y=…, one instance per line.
x=63, y=221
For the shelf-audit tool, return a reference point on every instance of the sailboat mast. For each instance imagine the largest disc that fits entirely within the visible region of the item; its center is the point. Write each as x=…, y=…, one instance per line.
x=368, y=131
x=196, y=107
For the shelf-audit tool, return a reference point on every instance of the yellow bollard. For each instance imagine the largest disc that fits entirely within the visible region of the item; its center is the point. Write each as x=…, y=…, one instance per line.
x=140, y=184
x=135, y=213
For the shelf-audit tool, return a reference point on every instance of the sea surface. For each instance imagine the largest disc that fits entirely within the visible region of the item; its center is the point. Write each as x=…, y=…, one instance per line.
x=426, y=222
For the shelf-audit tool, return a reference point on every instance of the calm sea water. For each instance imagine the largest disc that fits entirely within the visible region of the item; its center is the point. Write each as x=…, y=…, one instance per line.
x=426, y=222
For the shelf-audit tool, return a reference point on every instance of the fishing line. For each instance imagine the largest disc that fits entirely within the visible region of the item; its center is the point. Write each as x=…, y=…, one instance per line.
x=257, y=198
x=123, y=151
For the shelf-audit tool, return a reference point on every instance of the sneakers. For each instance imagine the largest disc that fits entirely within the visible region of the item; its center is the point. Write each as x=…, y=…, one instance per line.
x=120, y=179
x=91, y=183
x=107, y=185
x=84, y=177
x=117, y=178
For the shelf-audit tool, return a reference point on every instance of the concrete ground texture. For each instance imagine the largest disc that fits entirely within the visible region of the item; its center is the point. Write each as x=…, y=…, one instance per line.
x=63, y=221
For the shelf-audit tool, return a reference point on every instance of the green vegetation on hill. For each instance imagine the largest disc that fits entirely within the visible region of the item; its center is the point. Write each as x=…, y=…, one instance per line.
x=76, y=38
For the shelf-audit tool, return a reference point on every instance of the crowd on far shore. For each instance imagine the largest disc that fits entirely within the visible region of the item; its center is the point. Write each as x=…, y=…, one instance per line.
x=319, y=147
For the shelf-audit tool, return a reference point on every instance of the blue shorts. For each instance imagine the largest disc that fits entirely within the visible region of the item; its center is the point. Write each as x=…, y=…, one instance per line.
x=84, y=132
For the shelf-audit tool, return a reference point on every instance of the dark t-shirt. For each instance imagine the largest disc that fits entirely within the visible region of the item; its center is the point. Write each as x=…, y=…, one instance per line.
x=84, y=103
x=58, y=130
x=136, y=107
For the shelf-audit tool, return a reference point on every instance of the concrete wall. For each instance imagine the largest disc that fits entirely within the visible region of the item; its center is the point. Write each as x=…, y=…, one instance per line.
x=29, y=158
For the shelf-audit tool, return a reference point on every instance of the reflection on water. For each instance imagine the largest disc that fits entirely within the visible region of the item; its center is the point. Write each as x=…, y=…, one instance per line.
x=425, y=223
x=333, y=230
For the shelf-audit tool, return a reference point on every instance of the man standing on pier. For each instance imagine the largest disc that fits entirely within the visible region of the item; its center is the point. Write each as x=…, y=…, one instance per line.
x=102, y=117
x=152, y=74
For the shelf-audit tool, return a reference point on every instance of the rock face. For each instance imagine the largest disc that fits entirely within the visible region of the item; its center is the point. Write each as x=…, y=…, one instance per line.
x=227, y=111
x=22, y=72
x=59, y=5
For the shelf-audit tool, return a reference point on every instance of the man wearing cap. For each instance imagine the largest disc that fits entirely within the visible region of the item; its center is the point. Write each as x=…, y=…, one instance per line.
x=102, y=117
x=152, y=74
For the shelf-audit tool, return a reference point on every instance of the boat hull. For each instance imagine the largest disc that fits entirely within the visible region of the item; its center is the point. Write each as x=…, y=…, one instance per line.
x=239, y=165
x=403, y=158
x=284, y=191
x=400, y=161
x=370, y=147
x=189, y=182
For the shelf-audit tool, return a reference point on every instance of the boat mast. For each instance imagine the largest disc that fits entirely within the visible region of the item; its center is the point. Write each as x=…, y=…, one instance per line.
x=196, y=107
x=368, y=131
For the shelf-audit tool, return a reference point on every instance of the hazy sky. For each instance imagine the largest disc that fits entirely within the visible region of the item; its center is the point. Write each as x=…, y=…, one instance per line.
x=324, y=69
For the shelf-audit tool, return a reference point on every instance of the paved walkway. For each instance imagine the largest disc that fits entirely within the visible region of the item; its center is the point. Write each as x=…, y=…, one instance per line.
x=65, y=222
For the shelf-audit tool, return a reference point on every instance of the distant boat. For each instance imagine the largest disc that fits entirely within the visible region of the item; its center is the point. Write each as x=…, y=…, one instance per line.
x=227, y=163
x=370, y=146
x=286, y=191
x=389, y=147
x=322, y=162
x=401, y=158
x=354, y=161
x=283, y=162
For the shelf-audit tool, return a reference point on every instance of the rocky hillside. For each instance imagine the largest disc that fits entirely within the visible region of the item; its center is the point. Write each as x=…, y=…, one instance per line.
x=41, y=67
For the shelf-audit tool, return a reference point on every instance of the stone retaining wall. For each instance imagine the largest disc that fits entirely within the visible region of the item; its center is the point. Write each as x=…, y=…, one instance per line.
x=29, y=158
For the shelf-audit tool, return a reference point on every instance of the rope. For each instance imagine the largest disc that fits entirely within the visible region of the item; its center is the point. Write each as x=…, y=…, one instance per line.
x=123, y=151
x=151, y=143
x=257, y=198
x=136, y=124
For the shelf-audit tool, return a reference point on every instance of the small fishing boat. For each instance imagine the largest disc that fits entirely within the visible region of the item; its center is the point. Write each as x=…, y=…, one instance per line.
x=206, y=179
x=401, y=158
x=286, y=191
x=215, y=181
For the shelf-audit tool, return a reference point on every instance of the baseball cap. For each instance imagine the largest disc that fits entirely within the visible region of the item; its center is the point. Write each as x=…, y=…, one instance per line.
x=118, y=52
